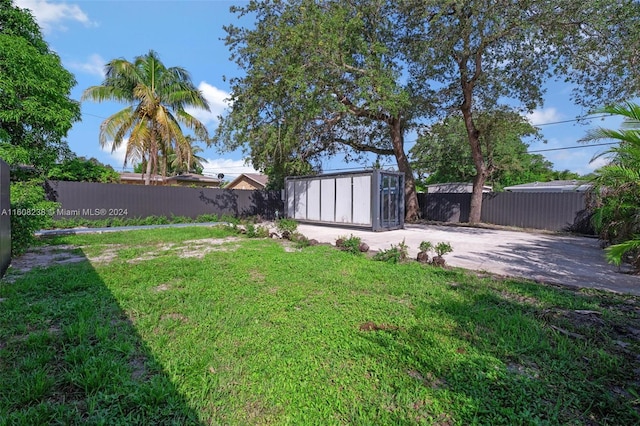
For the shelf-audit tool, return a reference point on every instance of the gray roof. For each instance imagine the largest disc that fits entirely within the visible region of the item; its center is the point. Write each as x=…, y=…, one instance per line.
x=559, y=185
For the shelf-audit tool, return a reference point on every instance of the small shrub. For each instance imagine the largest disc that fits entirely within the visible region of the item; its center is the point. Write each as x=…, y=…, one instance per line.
x=395, y=254
x=207, y=218
x=300, y=240
x=258, y=231
x=351, y=244
x=286, y=226
x=30, y=212
x=426, y=246
x=443, y=248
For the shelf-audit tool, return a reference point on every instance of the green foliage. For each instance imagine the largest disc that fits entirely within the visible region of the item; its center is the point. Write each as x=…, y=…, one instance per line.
x=298, y=102
x=29, y=212
x=385, y=344
x=394, y=254
x=300, y=240
x=79, y=169
x=443, y=248
x=616, y=253
x=157, y=98
x=426, y=246
x=480, y=55
x=129, y=221
x=286, y=225
x=36, y=110
x=350, y=244
x=256, y=231
x=616, y=192
x=444, y=155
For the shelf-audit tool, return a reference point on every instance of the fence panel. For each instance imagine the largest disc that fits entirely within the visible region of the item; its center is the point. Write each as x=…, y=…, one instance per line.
x=554, y=211
x=103, y=200
x=5, y=218
x=445, y=207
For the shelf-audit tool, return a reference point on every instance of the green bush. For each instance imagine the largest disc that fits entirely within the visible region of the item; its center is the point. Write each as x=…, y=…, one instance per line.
x=286, y=225
x=30, y=212
x=395, y=254
x=443, y=248
x=256, y=231
x=351, y=244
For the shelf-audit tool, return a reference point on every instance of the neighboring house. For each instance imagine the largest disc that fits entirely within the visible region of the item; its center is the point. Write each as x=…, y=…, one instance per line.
x=454, y=188
x=249, y=181
x=553, y=186
x=191, y=179
x=187, y=179
x=138, y=179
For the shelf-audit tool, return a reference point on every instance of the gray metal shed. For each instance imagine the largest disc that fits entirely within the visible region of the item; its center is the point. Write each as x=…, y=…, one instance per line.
x=368, y=198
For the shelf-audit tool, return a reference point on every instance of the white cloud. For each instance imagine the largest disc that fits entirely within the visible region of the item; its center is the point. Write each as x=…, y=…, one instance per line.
x=216, y=98
x=94, y=65
x=543, y=116
x=118, y=154
x=51, y=15
x=230, y=168
x=597, y=163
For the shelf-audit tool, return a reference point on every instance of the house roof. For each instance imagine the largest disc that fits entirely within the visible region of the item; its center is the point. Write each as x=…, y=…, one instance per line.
x=258, y=178
x=193, y=177
x=455, y=187
x=554, y=185
x=129, y=176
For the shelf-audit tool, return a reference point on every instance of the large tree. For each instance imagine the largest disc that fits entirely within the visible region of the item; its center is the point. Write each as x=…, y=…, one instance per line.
x=36, y=110
x=442, y=152
x=321, y=78
x=480, y=53
x=157, y=98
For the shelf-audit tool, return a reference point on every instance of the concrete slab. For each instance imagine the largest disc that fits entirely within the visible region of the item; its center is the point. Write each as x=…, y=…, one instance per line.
x=558, y=259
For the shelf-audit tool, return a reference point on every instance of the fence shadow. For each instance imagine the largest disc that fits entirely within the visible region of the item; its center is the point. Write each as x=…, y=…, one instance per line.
x=72, y=355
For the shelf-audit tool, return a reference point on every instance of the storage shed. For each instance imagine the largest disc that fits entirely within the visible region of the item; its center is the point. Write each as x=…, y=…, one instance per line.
x=369, y=198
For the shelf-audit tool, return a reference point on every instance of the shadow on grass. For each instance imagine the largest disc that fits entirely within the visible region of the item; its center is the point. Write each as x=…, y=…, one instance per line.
x=69, y=355
x=499, y=360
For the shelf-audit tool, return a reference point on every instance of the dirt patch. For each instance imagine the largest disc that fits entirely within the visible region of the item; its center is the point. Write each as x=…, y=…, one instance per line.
x=138, y=370
x=371, y=326
x=428, y=379
x=174, y=316
x=42, y=257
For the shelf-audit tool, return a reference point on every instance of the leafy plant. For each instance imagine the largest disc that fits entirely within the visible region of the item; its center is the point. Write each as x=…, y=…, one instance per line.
x=351, y=244
x=426, y=246
x=394, y=254
x=256, y=231
x=443, y=248
x=286, y=227
x=29, y=212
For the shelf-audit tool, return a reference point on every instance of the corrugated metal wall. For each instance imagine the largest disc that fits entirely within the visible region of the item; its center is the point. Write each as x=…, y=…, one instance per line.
x=555, y=211
x=103, y=200
x=5, y=218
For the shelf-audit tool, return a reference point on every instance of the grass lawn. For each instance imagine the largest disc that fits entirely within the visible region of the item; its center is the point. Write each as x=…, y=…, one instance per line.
x=203, y=326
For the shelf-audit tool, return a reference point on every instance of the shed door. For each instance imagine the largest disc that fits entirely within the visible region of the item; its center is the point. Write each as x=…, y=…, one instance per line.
x=390, y=200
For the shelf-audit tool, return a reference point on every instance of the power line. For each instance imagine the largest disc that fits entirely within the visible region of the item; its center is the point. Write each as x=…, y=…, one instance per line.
x=573, y=147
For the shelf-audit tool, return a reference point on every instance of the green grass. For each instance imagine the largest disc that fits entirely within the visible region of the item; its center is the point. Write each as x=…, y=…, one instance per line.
x=252, y=334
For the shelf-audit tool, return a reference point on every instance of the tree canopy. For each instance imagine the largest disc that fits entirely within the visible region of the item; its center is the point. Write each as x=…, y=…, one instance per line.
x=157, y=98
x=335, y=77
x=322, y=79
x=36, y=110
x=442, y=152
x=482, y=54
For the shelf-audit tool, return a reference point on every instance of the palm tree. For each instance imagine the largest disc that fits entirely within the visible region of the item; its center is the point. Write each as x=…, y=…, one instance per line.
x=617, y=185
x=157, y=98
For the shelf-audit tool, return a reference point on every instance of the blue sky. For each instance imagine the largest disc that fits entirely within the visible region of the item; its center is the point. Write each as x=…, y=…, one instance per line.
x=87, y=34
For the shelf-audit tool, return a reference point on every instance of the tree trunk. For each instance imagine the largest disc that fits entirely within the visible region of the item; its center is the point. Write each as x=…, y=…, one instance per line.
x=412, y=209
x=147, y=177
x=476, y=153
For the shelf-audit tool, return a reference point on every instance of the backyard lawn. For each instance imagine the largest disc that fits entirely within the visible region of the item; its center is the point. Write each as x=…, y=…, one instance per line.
x=206, y=326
